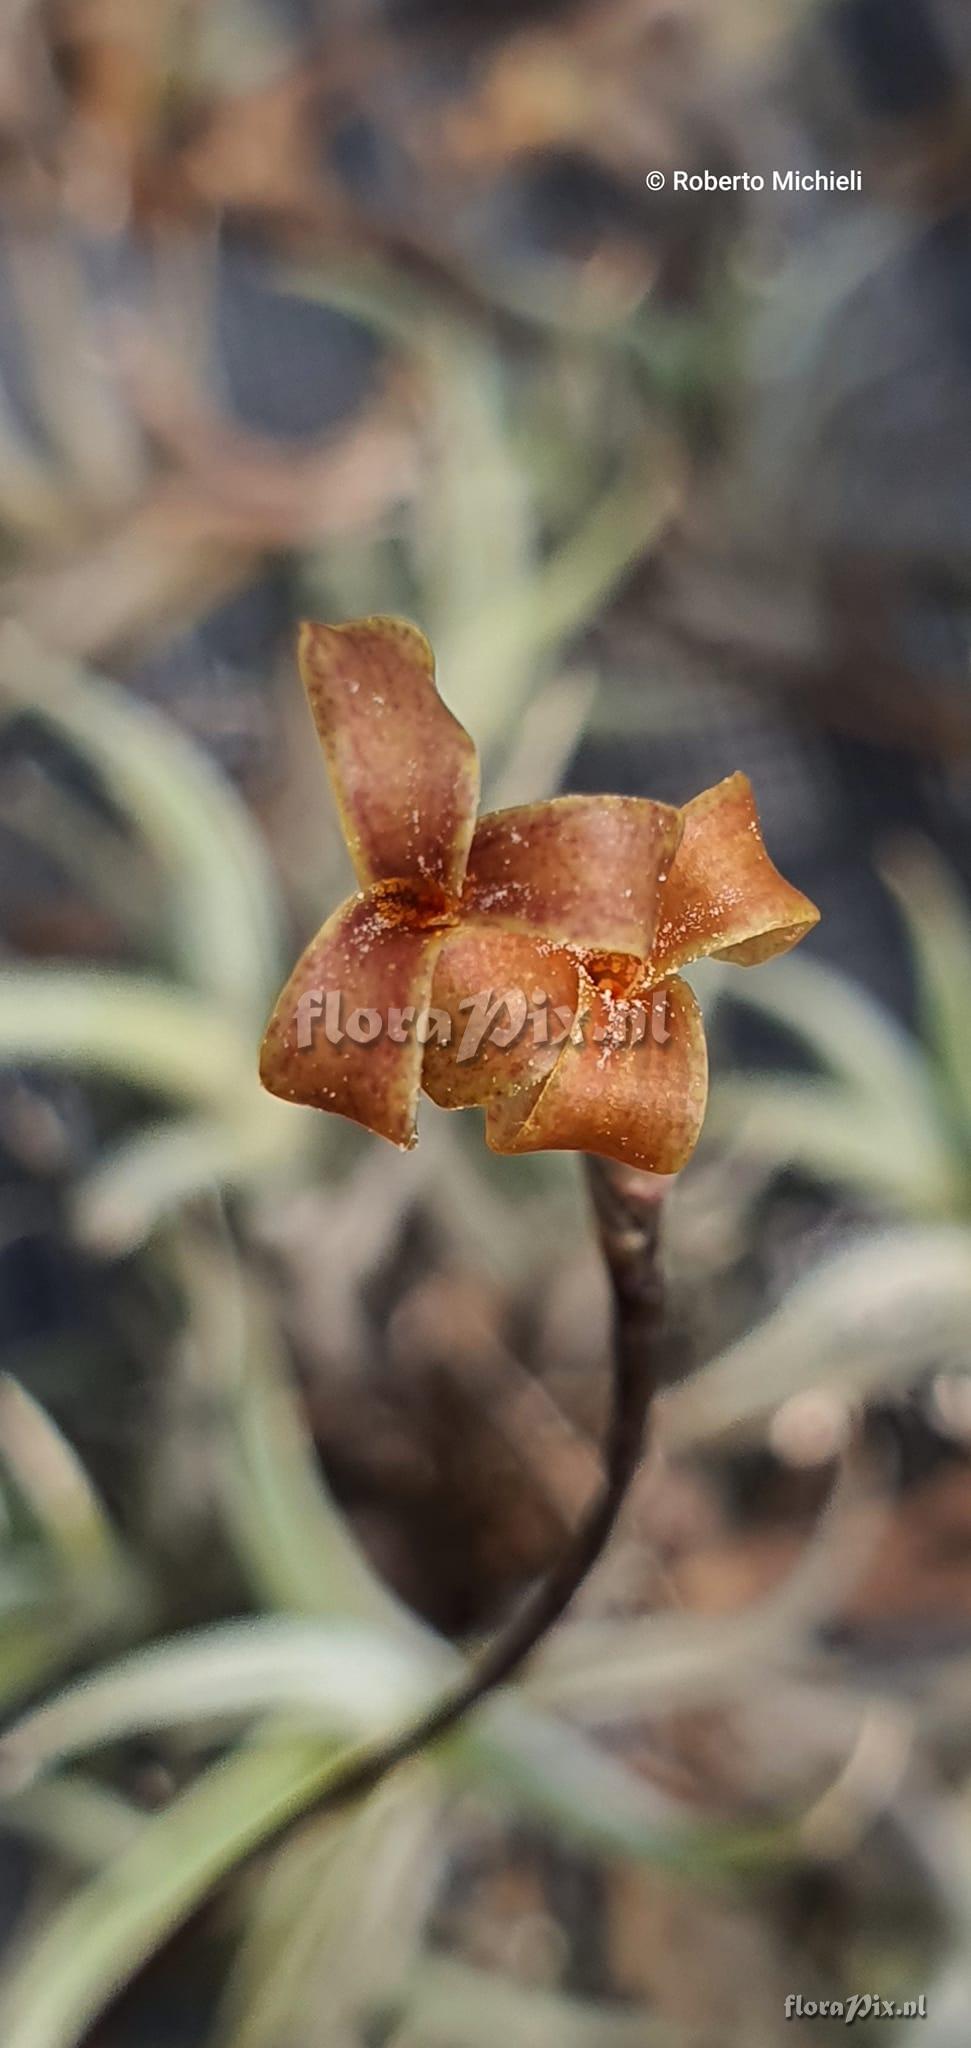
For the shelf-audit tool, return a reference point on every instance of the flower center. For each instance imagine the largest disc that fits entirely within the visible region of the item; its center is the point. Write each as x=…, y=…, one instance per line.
x=616, y=973
x=417, y=906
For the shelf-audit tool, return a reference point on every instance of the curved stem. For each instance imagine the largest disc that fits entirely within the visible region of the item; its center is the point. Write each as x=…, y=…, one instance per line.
x=627, y=1207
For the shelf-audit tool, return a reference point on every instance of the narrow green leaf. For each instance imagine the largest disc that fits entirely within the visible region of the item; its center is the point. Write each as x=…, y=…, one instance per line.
x=495, y=655
x=337, y=1922
x=74, y=1818
x=49, y=1476
x=538, y=1764
x=222, y=901
x=453, y=2005
x=612, y=1670
x=844, y=1029
x=938, y=918
x=91, y=1947
x=342, y=1680
x=118, y=1204
x=873, y=1317
x=837, y=1134
x=288, y=1533
x=141, y=1033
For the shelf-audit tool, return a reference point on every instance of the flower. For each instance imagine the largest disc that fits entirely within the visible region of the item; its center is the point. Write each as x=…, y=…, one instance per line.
x=585, y=905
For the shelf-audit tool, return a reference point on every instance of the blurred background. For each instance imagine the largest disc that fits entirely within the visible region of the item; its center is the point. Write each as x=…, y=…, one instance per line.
x=311, y=307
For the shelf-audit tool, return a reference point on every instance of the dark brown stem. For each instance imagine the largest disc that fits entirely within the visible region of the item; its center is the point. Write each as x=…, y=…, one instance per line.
x=627, y=1206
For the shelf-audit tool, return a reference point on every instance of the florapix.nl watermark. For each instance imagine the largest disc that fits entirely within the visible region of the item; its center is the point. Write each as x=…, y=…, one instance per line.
x=857, y=2005
x=489, y=1017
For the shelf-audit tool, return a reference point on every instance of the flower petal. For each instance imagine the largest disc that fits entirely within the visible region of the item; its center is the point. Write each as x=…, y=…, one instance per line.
x=489, y=984
x=404, y=771
x=585, y=870
x=368, y=961
x=723, y=895
x=642, y=1103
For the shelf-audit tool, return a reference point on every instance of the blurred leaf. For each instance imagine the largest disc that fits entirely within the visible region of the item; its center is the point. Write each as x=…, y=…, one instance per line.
x=222, y=902
x=87, y=420
x=876, y=1126
x=613, y=1670
x=471, y=537
x=235, y=47
x=938, y=919
x=93, y=1945
x=455, y=2006
x=338, y=581
x=540, y=1765
x=841, y=1137
x=72, y=1578
x=141, y=1033
x=118, y=1203
x=337, y=1920
x=498, y=610
x=342, y=1680
x=87, y=1949
x=472, y=531
x=76, y=1819
x=870, y=1319
x=53, y=1482
x=494, y=656
x=847, y=1032
x=150, y=1036
x=61, y=827
x=36, y=1643
x=349, y=1681
x=545, y=741
x=293, y=1542
x=24, y=1578
x=33, y=502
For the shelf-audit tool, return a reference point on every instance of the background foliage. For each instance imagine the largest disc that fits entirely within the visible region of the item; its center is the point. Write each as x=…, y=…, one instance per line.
x=308, y=308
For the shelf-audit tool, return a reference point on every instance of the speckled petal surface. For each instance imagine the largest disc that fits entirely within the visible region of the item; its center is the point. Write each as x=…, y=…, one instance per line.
x=640, y=1103
x=368, y=959
x=404, y=771
x=584, y=870
x=475, y=968
x=723, y=895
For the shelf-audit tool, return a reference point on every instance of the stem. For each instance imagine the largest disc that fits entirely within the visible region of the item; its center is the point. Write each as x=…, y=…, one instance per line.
x=627, y=1207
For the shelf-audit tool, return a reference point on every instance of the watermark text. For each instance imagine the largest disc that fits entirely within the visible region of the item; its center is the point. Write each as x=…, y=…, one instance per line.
x=857, y=2005
x=490, y=1017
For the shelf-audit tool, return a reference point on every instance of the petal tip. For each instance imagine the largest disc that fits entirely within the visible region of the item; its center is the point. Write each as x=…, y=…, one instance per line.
x=725, y=897
x=403, y=769
x=316, y=637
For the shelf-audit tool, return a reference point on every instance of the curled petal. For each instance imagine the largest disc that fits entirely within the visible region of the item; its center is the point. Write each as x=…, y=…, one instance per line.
x=584, y=870
x=507, y=1000
x=641, y=1101
x=723, y=894
x=404, y=771
x=341, y=1037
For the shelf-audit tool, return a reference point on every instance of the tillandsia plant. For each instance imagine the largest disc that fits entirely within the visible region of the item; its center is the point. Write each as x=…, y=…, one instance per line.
x=569, y=917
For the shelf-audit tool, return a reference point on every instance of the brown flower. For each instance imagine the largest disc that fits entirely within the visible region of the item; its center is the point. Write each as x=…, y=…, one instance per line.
x=578, y=911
